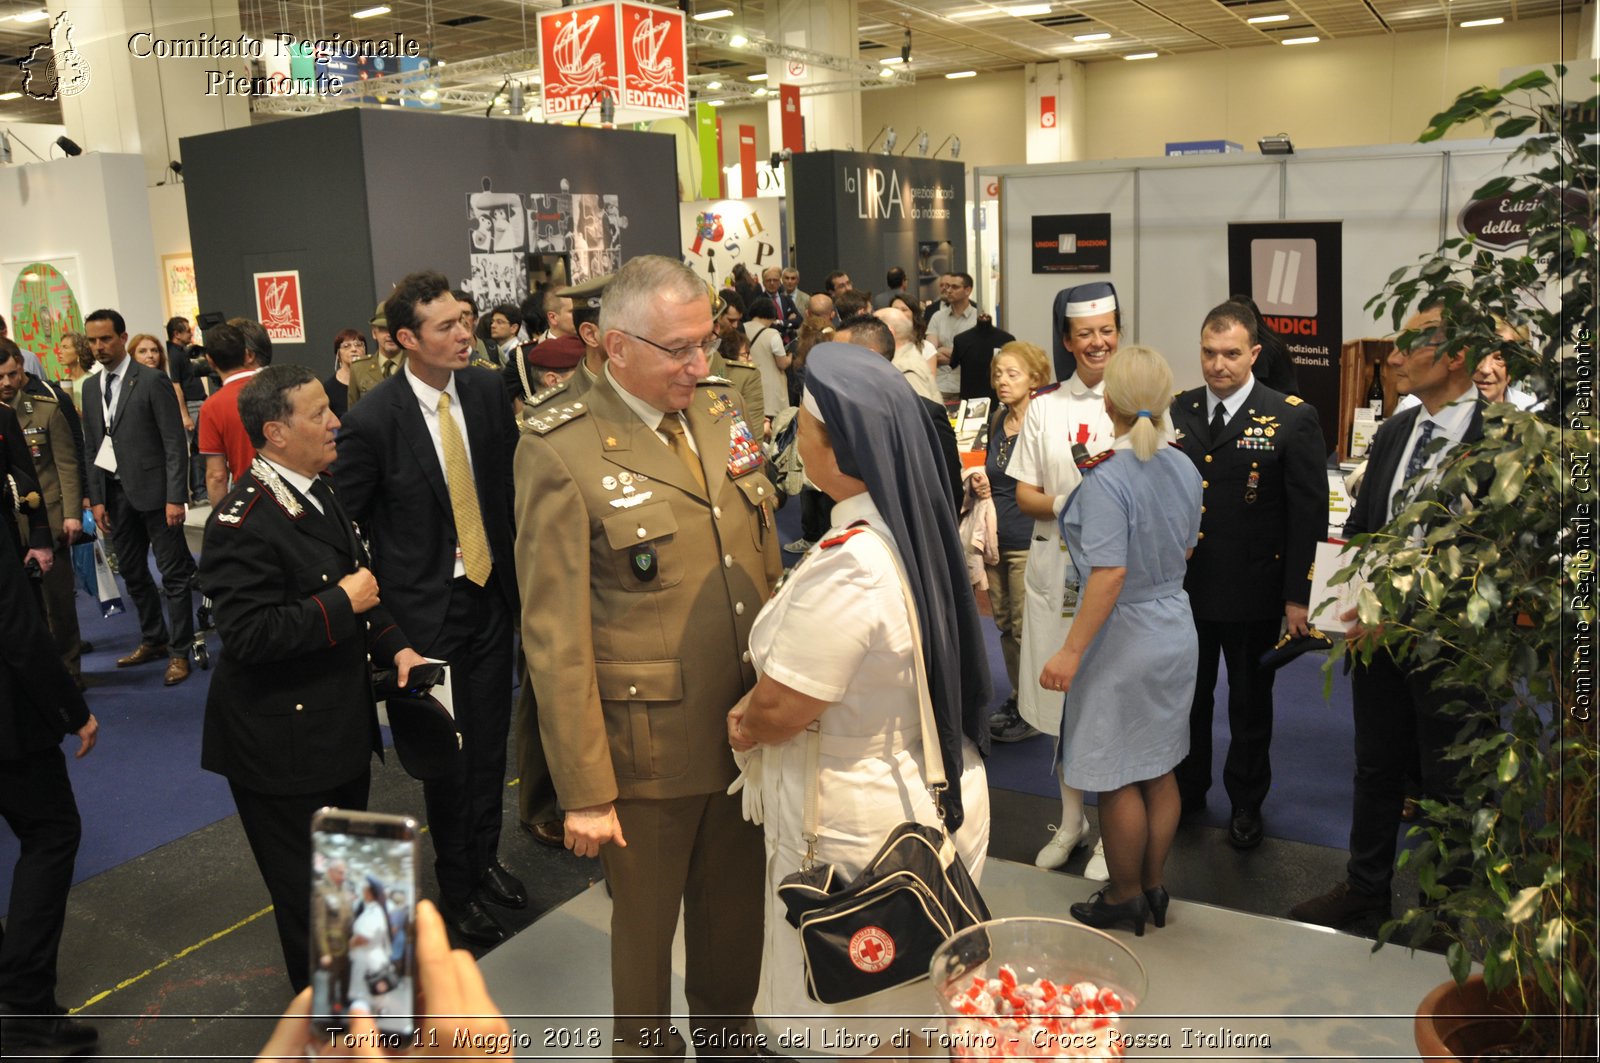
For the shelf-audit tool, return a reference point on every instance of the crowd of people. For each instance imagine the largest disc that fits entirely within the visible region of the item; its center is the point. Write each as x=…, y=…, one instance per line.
x=580, y=490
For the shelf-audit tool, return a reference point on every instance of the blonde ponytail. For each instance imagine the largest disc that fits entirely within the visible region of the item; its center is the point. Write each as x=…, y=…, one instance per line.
x=1139, y=387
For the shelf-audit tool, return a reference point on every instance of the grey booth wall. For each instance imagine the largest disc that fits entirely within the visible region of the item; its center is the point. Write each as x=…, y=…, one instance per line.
x=355, y=199
x=863, y=213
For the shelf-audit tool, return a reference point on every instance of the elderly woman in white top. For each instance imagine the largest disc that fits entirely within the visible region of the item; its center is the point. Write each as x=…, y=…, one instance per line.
x=834, y=648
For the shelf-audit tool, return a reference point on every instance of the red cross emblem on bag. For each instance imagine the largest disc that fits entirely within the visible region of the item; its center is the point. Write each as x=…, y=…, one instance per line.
x=871, y=949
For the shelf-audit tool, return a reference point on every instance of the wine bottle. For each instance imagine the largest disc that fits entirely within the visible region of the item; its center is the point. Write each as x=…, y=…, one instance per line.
x=1375, y=393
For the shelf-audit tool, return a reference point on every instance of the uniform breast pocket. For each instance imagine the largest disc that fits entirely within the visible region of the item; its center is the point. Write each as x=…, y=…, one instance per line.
x=759, y=497
x=644, y=713
x=643, y=547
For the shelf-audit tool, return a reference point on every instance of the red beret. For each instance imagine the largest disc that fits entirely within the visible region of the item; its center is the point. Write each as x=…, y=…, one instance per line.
x=559, y=352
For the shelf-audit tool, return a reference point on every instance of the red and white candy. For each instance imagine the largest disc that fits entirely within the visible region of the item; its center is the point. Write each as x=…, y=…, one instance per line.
x=1041, y=1019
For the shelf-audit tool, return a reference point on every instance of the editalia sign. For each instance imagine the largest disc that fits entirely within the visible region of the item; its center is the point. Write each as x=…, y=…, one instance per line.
x=631, y=53
x=278, y=306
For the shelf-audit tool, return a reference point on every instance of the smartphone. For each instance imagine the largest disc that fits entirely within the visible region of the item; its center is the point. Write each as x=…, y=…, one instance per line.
x=363, y=919
x=424, y=677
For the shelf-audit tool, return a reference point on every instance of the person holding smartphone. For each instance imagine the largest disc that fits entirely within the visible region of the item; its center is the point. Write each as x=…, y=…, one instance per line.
x=290, y=718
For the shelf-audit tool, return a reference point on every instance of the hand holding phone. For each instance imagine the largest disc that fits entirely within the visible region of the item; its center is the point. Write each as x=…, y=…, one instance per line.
x=452, y=995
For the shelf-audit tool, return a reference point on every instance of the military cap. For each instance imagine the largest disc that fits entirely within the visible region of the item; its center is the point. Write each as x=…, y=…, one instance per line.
x=559, y=353
x=378, y=318
x=586, y=296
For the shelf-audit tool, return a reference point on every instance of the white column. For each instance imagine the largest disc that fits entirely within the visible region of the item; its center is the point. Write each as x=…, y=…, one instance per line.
x=1063, y=80
x=833, y=120
x=144, y=105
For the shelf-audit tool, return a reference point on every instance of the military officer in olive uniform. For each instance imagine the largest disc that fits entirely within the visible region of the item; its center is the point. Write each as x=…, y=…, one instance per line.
x=646, y=546
x=366, y=373
x=48, y=436
x=742, y=375
x=1265, y=507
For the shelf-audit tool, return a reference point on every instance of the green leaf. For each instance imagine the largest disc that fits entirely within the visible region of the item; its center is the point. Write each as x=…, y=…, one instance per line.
x=1580, y=241
x=1552, y=937
x=1572, y=989
x=1478, y=612
x=1523, y=905
x=1460, y=963
x=1510, y=764
x=1368, y=609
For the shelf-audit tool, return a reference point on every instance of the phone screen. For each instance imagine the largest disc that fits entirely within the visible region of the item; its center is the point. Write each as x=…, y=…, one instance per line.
x=363, y=918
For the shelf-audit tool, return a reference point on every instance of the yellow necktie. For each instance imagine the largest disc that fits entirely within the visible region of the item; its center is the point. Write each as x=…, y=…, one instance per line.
x=672, y=424
x=388, y=367
x=463, y=497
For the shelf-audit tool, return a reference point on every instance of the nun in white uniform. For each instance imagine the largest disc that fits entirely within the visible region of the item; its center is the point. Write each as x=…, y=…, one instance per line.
x=834, y=646
x=1061, y=418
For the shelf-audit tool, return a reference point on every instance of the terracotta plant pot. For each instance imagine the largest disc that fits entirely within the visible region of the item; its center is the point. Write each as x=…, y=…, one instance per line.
x=1467, y=1023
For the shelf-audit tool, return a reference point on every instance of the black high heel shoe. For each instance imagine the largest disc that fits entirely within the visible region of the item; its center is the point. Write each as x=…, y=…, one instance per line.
x=1156, y=897
x=1101, y=913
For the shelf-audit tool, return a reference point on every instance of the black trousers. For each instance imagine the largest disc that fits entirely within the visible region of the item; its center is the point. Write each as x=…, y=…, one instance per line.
x=1247, y=771
x=135, y=533
x=464, y=808
x=36, y=802
x=278, y=827
x=1400, y=723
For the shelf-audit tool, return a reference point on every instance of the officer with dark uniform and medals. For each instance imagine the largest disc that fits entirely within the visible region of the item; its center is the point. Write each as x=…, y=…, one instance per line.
x=646, y=547
x=1264, y=481
x=366, y=373
x=54, y=452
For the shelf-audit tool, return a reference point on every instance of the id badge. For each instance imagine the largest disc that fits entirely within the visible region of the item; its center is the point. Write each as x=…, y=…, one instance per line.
x=106, y=458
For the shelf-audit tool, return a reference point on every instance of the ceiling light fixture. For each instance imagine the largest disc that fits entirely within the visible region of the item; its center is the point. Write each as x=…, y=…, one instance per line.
x=707, y=16
x=714, y=85
x=755, y=77
x=884, y=73
x=36, y=15
x=1475, y=22
x=1141, y=55
x=891, y=60
x=1276, y=144
x=1027, y=10
x=1301, y=40
x=371, y=12
x=1261, y=20
x=1085, y=38
x=718, y=103
x=953, y=75
x=761, y=91
x=738, y=40
x=10, y=95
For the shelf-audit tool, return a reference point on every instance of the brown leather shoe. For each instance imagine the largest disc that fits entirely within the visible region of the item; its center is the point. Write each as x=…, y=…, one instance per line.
x=551, y=832
x=177, y=671
x=145, y=652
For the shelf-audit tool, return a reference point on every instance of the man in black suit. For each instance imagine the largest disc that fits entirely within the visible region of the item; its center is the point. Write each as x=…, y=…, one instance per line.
x=1265, y=491
x=290, y=720
x=138, y=474
x=425, y=469
x=39, y=703
x=1400, y=722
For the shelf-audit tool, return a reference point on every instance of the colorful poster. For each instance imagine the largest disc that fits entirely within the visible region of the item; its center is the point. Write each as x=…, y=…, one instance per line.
x=578, y=56
x=43, y=308
x=653, y=62
x=278, y=306
x=180, y=293
x=718, y=233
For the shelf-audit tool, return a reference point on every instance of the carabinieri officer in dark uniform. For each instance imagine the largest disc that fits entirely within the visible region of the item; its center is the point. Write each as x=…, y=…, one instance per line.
x=1265, y=507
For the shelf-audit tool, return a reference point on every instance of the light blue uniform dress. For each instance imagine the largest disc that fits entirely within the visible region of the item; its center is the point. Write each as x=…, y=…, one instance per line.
x=1126, y=718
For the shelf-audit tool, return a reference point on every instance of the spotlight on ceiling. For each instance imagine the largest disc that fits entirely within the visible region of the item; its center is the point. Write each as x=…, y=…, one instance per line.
x=68, y=146
x=1277, y=144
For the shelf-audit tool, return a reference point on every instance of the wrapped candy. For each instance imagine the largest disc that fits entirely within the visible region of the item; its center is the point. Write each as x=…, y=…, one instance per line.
x=1037, y=1020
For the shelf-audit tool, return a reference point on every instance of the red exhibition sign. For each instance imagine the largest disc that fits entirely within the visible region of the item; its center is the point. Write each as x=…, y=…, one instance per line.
x=653, y=60
x=794, y=125
x=1047, y=112
x=578, y=58
x=633, y=52
x=278, y=306
x=747, y=161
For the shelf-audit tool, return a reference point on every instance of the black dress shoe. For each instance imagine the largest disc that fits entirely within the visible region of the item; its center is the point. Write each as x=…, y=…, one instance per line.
x=551, y=832
x=472, y=923
x=501, y=887
x=1101, y=913
x=1244, y=830
x=43, y=1035
x=1158, y=899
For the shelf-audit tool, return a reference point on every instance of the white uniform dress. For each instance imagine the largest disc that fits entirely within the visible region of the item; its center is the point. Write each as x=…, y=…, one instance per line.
x=1057, y=417
x=836, y=629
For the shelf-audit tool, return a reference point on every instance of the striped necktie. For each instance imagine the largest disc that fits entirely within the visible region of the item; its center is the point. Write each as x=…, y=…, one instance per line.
x=1419, y=458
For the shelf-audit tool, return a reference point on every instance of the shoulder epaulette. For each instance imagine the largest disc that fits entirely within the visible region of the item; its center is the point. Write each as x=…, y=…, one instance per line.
x=233, y=514
x=1047, y=389
x=711, y=380
x=44, y=393
x=364, y=358
x=542, y=397
x=543, y=422
x=1293, y=400
x=745, y=366
x=854, y=529
x=1091, y=462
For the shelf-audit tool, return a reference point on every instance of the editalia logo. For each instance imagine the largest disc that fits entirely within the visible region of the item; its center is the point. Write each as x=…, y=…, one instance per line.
x=54, y=68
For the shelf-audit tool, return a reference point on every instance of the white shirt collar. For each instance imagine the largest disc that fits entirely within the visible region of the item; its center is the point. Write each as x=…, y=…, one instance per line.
x=295, y=480
x=1451, y=420
x=1079, y=389
x=429, y=396
x=1233, y=402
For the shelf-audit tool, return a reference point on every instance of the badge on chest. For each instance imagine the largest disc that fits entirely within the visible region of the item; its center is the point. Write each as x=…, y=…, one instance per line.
x=744, y=450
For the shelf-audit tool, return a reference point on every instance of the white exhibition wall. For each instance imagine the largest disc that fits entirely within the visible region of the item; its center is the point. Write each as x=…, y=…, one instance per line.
x=1169, y=228
x=91, y=216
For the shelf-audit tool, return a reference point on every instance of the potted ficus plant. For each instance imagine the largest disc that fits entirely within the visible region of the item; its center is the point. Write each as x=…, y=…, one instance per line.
x=1496, y=562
